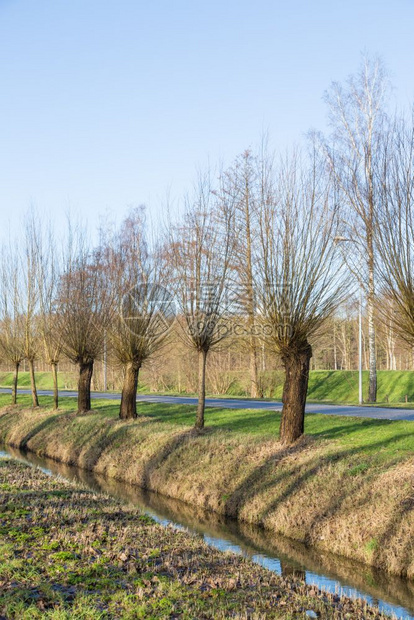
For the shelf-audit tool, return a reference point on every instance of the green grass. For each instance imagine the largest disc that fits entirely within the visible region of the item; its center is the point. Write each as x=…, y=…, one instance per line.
x=379, y=439
x=382, y=439
x=66, y=380
x=340, y=386
x=43, y=380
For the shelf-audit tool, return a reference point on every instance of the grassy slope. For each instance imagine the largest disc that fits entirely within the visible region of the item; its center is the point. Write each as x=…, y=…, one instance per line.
x=324, y=385
x=341, y=386
x=43, y=380
x=347, y=487
x=69, y=553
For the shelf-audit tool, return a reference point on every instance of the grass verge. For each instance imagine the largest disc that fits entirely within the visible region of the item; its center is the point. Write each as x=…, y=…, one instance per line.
x=70, y=553
x=347, y=487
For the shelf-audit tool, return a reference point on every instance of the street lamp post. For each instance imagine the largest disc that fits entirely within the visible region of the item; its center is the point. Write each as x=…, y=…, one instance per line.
x=360, y=346
x=105, y=366
x=360, y=398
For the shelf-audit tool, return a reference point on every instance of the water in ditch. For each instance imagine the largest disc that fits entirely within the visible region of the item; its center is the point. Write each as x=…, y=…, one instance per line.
x=281, y=555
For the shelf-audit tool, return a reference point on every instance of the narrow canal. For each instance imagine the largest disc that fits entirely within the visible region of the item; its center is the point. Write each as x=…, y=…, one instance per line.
x=283, y=556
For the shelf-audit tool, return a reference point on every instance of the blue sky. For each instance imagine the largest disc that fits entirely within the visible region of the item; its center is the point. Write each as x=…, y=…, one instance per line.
x=106, y=104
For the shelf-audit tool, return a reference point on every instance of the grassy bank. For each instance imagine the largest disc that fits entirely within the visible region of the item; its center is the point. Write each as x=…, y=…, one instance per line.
x=347, y=487
x=69, y=553
x=67, y=380
x=341, y=386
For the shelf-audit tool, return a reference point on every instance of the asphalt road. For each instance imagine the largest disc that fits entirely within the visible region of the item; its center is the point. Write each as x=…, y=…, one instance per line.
x=379, y=413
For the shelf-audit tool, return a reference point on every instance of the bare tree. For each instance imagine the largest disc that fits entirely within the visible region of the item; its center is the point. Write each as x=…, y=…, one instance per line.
x=20, y=304
x=201, y=251
x=241, y=189
x=140, y=329
x=358, y=119
x=30, y=300
x=395, y=232
x=218, y=375
x=300, y=281
x=12, y=322
x=47, y=274
x=84, y=310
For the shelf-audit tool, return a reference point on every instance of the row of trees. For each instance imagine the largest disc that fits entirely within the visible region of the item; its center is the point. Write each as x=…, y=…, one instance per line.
x=264, y=250
x=125, y=293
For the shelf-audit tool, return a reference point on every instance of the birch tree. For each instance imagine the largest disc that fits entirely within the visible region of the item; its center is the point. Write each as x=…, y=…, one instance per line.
x=358, y=119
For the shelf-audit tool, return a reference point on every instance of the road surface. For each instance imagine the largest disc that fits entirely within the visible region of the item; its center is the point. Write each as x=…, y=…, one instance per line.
x=379, y=413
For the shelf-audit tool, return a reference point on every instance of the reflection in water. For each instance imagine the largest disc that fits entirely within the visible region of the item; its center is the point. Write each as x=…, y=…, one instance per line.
x=288, y=570
x=279, y=554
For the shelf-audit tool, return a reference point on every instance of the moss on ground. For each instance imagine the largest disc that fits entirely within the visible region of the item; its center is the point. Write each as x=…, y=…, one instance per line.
x=70, y=553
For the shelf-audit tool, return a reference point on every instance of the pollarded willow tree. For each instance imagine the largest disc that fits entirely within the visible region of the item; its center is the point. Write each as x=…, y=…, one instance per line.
x=84, y=310
x=47, y=277
x=20, y=306
x=201, y=253
x=30, y=300
x=300, y=279
x=394, y=231
x=12, y=324
x=140, y=329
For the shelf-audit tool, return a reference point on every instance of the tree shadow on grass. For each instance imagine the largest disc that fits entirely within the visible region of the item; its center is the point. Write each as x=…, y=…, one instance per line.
x=262, y=480
x=23, y=443
x=166, y=450
x=354, y=426
x=391, y=533
x=90, y=451
x=6, y=416
x=112, y=412
x=258, y=481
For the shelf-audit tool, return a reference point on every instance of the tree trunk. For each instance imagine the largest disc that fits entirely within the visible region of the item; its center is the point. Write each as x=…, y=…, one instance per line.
x=294, y=394
x=255, y=391
x=55, y=385
x=35, y=399
x=372, y=392
x=202, y=358
x=14, y=386
x=84, y=386
x=128, y=409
